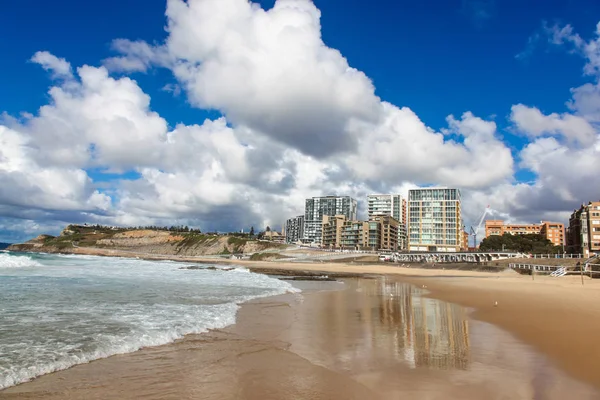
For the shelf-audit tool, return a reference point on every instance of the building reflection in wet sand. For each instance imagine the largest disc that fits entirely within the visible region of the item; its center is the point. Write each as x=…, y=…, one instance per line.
x=432, y=333
x=381, y=323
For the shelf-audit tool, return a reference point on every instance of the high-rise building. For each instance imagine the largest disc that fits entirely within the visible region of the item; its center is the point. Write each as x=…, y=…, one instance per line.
x=317, y=207
x=435, y=220
x=553, y=231
x=294, y=229
x=393, y=205
x=583, y=235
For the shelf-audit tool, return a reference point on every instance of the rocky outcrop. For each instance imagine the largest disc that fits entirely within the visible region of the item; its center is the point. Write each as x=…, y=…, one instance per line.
x=74, y=238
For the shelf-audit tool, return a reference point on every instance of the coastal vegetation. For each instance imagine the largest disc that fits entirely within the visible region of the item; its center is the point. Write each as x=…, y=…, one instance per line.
x=266, y=256
x=175, y=240
x=532, y=243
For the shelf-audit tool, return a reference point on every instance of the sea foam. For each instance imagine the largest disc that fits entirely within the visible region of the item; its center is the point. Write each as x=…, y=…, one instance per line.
x=75, y=309
x=10, y=261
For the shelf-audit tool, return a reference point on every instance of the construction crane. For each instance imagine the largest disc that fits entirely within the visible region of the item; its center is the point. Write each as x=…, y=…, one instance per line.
x=475, y=231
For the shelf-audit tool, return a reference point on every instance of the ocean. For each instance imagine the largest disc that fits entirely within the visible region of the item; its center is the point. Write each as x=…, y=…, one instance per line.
x=57, y=311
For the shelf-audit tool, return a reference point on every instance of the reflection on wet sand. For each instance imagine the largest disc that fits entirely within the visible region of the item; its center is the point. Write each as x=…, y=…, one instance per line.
x=393, y=324
x=399, y=344
x=369, y=339
x=434, y=334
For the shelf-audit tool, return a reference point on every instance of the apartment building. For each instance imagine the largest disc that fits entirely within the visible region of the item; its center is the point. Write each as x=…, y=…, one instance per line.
x=583, y=234
x=373, y=235
x=332, y=231
x=464, y=246
x=380, y=233
x=294, y=229
x=355, y=235
x=553, y=231
x=434, y=220
x=386, y=236
x=393, y=205
x=317, y=207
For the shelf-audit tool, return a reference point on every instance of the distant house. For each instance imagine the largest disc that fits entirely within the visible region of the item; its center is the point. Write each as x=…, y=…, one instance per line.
x=274, y=236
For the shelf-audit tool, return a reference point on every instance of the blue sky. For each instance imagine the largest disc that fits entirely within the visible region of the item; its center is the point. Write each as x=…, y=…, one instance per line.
x=437, y=58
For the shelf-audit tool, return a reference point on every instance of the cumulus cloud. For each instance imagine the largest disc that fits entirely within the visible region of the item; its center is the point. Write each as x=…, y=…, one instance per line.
x=565, y=148
x=534, y=123
x=139, y=56
x=59, y=67
x=271, y=72
x=298, y=121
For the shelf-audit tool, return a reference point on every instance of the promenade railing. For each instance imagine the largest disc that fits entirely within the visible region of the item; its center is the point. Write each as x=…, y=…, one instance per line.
x=561, y=255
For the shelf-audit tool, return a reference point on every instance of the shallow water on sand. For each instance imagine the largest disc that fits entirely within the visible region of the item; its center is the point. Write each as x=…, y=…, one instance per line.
x=392, y=339
x=363, y=339
x=57, y=311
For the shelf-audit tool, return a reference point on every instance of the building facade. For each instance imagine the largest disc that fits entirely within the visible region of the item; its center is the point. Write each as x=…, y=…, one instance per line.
x=465, y=241
x=393, y=205
x=387, y=233
x=332, y=231
x=355, y=235
x=317, y=207
x=553, y=231
x=583, y=234
x=294, y=229
x=434, y=220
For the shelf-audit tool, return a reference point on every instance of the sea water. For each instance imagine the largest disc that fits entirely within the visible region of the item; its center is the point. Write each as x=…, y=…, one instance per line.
x=57, y=311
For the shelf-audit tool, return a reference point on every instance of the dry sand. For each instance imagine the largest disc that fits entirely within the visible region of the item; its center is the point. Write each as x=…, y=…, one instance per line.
x=376, y=339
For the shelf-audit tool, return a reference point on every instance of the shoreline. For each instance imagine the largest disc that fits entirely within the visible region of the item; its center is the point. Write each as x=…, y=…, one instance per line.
x=557, y=316
x=313, y=346
x=550, y=314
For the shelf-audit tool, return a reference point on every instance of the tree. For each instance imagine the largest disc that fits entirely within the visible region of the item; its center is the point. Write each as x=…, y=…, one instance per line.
x=533, y=243
x=252, y=231
x=268, y=229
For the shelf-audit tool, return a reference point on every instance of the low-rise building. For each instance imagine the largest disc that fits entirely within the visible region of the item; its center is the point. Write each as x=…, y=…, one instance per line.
x=465, y=241
x=274, y=236
x=387, y=232
x=553, y=231
x=583, y=234
x=355, y=235
x=332, y=231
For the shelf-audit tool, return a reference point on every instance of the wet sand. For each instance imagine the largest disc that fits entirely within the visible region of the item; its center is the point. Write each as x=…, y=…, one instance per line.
x=366, y=339
x=559, y=317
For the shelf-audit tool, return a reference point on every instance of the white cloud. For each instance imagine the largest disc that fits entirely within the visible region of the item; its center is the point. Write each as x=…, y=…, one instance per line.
x=271, y=72
x=532, y=122
x=59, y=67
x=139, y=56
x=26, y=184
x=298, y=121
x=590, y=50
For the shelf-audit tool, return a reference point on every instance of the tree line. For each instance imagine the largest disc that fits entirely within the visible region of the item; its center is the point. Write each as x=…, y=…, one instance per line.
x=177, y=228
x=531, y=243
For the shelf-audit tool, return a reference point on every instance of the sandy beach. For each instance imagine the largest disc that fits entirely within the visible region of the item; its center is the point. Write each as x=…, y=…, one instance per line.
x=386, y=337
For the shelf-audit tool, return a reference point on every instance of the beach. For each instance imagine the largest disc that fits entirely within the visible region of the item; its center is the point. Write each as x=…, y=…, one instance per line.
x=395, y=333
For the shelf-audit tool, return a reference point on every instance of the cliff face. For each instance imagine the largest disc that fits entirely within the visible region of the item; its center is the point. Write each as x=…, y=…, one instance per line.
x=75, y=238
